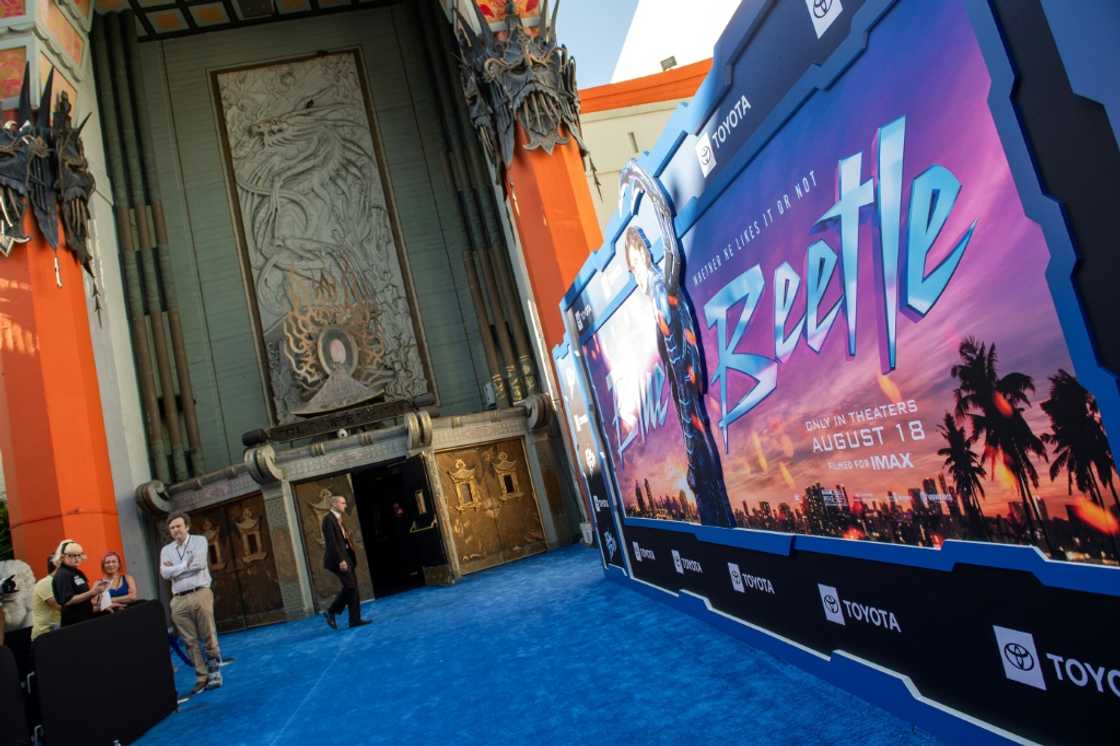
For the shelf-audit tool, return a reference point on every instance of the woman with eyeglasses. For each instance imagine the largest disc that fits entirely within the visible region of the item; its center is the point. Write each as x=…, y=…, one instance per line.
x=72, y=590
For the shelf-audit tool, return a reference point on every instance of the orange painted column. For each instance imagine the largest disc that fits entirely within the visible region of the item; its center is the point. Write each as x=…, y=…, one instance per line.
x=556, y=222
x=52, y=433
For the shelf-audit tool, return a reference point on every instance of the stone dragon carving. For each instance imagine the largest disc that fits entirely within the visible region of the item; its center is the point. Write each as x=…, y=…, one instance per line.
x=329, y=286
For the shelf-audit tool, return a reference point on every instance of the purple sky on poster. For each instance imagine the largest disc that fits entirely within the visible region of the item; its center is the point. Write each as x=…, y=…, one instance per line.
x=923, y=63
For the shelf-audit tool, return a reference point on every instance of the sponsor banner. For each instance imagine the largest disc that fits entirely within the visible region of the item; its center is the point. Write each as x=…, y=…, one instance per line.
x=794, y=37
x=823, y=14
x=990, y=642
x=1025, y=663
x=642, y=554
x=685, y=565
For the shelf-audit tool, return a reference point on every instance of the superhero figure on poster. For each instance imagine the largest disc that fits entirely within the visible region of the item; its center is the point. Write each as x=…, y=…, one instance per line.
x=678, y=346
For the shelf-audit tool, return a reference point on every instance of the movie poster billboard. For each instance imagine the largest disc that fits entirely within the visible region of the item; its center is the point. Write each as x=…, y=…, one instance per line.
x=589, y=461
x=857, y=338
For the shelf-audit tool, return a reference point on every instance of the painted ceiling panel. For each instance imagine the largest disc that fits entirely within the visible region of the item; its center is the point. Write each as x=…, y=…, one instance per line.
x=211, y=14
x=162, y=19
x=293, y=6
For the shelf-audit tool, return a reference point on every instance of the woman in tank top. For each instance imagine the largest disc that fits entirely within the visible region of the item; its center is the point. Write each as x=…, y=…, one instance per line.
x=122, y=586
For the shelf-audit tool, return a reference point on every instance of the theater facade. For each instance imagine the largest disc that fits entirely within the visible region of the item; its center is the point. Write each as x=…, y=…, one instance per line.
x=839, y=377
x=304, y=279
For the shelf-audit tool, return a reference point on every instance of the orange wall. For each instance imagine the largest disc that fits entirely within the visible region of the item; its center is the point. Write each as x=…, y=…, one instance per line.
x=52, y=433
x=679, y=82
x=556, y=222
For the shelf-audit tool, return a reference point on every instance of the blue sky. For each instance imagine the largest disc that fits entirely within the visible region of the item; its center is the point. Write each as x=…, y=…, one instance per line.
x=593, y=31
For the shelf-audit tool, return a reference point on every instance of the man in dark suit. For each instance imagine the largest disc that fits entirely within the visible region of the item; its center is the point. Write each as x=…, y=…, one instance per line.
x=340, y=559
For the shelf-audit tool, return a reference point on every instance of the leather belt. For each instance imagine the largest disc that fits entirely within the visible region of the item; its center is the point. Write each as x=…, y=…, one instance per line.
x=192, y=590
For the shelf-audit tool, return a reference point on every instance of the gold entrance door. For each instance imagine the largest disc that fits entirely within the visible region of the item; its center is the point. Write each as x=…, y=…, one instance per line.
x=519, y=522
x=242, y=566
x=473, y=510
x=491, y=502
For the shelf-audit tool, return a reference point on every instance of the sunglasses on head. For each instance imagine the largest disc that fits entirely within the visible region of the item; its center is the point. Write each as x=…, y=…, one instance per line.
x=66, y=553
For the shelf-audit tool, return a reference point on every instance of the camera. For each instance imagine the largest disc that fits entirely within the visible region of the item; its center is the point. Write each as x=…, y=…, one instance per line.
x=9, y=585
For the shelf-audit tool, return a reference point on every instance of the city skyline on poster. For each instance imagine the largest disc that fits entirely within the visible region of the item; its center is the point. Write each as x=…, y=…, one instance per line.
x=857, y=417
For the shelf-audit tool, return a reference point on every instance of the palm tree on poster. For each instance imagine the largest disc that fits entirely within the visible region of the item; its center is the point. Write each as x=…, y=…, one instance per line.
x=1078, y=439
x=965, y=468
x=994, y=406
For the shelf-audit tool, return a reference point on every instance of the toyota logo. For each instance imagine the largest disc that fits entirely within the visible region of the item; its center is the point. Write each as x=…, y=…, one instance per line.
x=1018, y=656
x=831, y=603
x=821, y=8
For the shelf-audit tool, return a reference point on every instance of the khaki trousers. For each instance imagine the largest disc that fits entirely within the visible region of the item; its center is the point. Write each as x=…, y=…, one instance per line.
x=193, y=617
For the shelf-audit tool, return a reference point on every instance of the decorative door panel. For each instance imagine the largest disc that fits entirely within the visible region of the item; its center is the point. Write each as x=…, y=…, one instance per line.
x=491, y=502
x=313, y=499
x=211, y=524
x=242, y=566
x=472, y=509
x=519, y=523
x=254, y=561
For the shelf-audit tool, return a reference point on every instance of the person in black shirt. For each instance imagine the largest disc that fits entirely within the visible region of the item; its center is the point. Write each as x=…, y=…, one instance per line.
x=72, y=590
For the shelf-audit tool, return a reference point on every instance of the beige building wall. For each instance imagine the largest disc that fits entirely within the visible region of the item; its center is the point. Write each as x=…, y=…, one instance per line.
x=614, y=136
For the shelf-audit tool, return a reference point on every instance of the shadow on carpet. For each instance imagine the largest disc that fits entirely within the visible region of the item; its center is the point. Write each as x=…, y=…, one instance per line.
x=545, y=650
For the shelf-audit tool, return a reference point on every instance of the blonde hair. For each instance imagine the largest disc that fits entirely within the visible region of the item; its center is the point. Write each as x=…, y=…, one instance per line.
x=56, y=558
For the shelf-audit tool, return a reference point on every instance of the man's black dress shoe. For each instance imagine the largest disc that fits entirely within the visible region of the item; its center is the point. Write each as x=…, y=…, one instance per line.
x=330, y=620
x=360, y=623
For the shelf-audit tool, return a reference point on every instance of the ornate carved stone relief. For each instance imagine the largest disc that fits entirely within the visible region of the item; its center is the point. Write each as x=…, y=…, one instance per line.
x=451, y=432
x=329, y=287
x=213, y=488
x=358, y=455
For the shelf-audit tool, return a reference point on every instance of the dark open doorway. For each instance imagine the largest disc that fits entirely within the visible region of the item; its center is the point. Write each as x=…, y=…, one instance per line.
x=398, y=519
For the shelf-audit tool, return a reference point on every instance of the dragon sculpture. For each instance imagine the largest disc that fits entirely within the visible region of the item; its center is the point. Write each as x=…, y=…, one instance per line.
x=42, y=163
x=516, y=78
x=75, y=184
x=335, y=318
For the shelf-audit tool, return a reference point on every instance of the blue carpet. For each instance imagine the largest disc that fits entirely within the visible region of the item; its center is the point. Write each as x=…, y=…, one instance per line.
x=542, y=651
